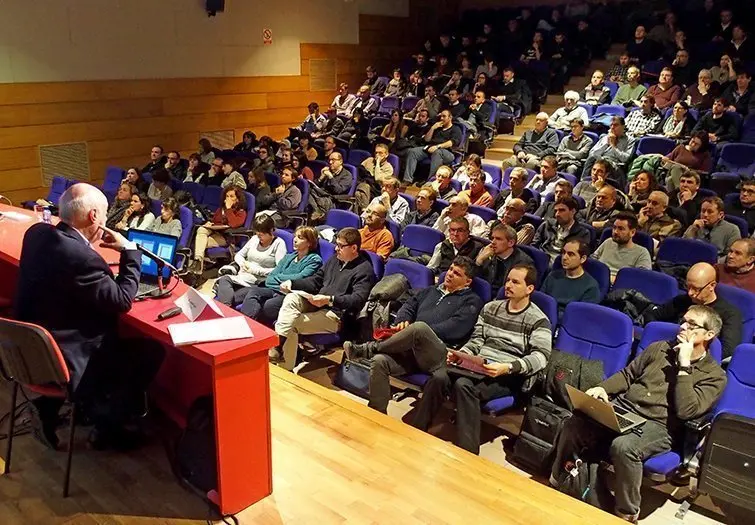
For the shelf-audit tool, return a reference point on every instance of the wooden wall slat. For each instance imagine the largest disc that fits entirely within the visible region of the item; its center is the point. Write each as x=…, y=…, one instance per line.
x=106, y=149
x=20, y=179
x=40, y=114
x=16, y=158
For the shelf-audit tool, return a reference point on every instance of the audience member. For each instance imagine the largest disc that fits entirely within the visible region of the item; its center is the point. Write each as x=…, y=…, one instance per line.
x=365, y=102
x=642, y=185
x=332, y=298
x=552, y=234
x=169, y=222
x=138, y=215
x=334, y=181
x=683, y=70
x=724, y=72
x=232, y=176
x=654, y=220
x=252, y=264
x=442, y=183
x=343, y=101
x=265, y=162
x=570, y=111
x=629, y=94
x=458, y=108
x=205, y=150
x=619, y=251
x=665, y=92
x=396, y=129
x=512, y=93
x=375, y=85
x=477, y=194
x=354, y=132
x=534, y=145
x=66, y=287
x=679, y=124
x=440, y=140
x=430, y=102
x=740, y=47
x=156, y=159
x=700, y=95
x=134, y=177
x=574, y=149
x=496, y=259
x=230, y=214
x=596, y=92
x=517, y=190
x=744, y=206
x=572, y=283
x=332, y=127
x=547, y=208
x=712, y=227
x=174, y=166
x=303, y=262
x=479, y=118
x=687, y=198
x=472, y=165
x=641, y=49
x=424, y=213
x=195, y=171
x=397, y=85
x=248, y=143
x=737, y=268
x=375, y=235
x=620, y=71
x=458, y=242
x=701, y=290
x=545, y=182
x=739, y=94
x=514, y=337
x=433, y=319
x=615, y=147
x=512, y=214
x=314, y=121
x=646, y=388
x=644, y=121
x=160, y=189
x=215, y=175
x=397, y=206
x=601, y=211
x=587, y=189
x=695, y=155
x=720, y=125
x=122, y=202
x=285, y=199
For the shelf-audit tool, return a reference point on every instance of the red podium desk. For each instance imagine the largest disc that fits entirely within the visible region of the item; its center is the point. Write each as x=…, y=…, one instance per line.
x=234, y=372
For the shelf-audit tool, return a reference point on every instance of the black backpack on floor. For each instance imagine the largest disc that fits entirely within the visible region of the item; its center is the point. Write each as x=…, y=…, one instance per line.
x=196, y=448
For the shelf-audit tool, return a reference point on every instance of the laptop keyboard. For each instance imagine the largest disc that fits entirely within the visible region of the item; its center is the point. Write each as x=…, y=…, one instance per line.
x=624, y=422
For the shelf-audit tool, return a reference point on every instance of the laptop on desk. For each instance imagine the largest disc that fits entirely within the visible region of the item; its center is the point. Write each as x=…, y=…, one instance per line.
x=607, y=414
x=160, y=244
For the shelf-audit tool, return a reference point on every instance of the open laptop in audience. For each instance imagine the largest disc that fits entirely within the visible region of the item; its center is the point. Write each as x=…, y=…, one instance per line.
x=164, y=246
x=469, y=366
x=607, y=414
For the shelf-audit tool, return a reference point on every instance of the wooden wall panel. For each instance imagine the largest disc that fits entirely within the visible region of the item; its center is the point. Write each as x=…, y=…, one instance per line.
x=121, y=120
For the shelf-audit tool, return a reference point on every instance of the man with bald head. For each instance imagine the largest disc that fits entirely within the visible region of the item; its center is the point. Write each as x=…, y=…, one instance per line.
x=655, y=221
x=375, y=236
x=67, y=287
x=603, y=208
x=534, y=145
x=701, y=289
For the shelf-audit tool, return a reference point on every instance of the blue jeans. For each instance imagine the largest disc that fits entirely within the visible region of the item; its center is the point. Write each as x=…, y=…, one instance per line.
x=417, y=155
x=255, y=299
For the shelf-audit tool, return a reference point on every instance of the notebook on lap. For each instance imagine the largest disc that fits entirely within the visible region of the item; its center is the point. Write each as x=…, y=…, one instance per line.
x=163, y=246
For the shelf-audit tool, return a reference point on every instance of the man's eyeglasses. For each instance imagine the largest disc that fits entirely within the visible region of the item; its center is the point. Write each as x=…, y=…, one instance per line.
x=342, y=245
x=458, y=230
x=747, y=191
x=697, y=291
x=691, y=325
x=654, y=202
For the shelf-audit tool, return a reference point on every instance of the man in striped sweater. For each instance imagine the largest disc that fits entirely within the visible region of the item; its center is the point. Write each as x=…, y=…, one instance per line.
x=514, y=337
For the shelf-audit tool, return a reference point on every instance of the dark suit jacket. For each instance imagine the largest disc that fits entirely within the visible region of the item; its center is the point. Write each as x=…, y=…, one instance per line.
x=68, y=288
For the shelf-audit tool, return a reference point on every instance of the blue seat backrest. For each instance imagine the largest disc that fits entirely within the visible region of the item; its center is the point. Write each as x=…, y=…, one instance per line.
x=156, y=207
x=186, y=217
x=486, y=214
x=496, y=174
x=395, y=230
x=610, y=110
x=357, y=156
x=607, y=336
x=303, y=185
x=326, y=249
x=353, y=171
x=393, y=161
x=195, y=190
x=410, y=200
x=211, y=197
x=113, y=178
x=250, y=210
x=686, y=251
x=541, y=260
x=317, y=166
x=418, y=275
x=479, y=286
x=740, y=223
x=378, y=267
x=659, y=331
x=656, y=286
x=739, y=394
x=420, y=239
x=288, y=239
x=743, y=301
x=58, y=186
x=340, y=219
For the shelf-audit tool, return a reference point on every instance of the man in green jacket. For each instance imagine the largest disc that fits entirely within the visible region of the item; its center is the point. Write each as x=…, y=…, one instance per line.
x=669, y=383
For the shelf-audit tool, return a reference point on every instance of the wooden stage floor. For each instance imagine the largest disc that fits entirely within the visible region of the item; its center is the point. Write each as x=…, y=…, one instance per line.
x=334, y=461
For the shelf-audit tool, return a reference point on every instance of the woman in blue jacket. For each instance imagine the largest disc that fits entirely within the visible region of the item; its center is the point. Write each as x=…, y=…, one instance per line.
x=303, y=262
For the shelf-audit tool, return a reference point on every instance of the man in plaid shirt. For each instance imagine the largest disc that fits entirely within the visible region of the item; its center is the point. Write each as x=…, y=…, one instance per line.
x=618, y=72
x=645, y=120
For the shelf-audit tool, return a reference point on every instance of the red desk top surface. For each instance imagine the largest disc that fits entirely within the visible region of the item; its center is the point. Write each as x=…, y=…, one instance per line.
x=143, y=314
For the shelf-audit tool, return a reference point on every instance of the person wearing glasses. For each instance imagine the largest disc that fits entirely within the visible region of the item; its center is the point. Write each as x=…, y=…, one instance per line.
x=668, y=384
x=744, y=206
x=701, y=289
x=325, y=302
x=215, y=175
x=334, y=180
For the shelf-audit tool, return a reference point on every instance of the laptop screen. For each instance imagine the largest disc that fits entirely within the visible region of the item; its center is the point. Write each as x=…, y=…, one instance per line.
x=163, y=246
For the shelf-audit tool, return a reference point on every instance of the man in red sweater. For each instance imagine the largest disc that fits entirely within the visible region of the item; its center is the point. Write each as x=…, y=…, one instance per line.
x=665, y=92
x=737, y=270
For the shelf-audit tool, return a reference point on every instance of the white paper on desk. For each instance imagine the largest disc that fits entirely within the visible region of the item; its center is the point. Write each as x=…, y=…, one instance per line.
x=15, y=216
x=223, y=329
x=193, y=303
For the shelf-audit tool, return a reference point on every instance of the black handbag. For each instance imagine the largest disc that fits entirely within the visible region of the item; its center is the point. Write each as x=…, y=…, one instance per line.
x=542, y=425
x=354, y=376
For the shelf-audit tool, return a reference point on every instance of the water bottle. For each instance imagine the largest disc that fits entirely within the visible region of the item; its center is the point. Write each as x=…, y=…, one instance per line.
x=47, y=216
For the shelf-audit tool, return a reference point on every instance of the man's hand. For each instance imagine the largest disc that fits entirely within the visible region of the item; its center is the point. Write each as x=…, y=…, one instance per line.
x=285, y=287
x=699, y=223
x=497, y=369
x=521, y=155
x=280, y=189
x=112, y=239
x=713, y=137
x=684, y=196
x=612, y=139
x=598, y=392
x=599, y=224
x=319, y=300
x=401, y=325
x=432, y=149
x=486, y=253
x=684, y=350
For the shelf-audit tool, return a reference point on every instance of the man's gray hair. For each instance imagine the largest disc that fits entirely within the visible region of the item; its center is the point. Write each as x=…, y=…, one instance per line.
x=711, y=320
x=571, y=95
x=77, y=201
